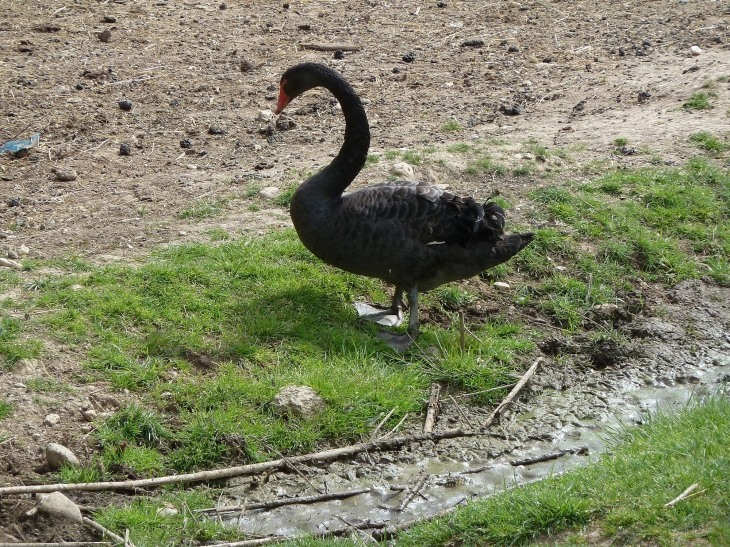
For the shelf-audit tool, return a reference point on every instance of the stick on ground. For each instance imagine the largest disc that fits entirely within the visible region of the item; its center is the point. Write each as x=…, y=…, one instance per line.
x=512, y=394
x=433, y=407
x=682, y=496
x=287, y=501
x=241, y=470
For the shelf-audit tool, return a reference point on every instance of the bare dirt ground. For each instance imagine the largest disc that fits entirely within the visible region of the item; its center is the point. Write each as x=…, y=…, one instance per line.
x=198, y=75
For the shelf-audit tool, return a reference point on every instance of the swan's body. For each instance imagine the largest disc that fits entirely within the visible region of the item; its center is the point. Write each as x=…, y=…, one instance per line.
x=413, y=235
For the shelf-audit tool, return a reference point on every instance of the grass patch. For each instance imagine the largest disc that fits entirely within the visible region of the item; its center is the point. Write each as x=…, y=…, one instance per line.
x=451, y=125
x=262, y=313
x=48, y=385
x=624, y=492
x=698, y=101
x=203, y=209
x=708, y=141
x=286, y=195
x=13, y=346
x=620, y=141
x=6, y=409
x=460, y=148
x=371, y=159
x=485, y=164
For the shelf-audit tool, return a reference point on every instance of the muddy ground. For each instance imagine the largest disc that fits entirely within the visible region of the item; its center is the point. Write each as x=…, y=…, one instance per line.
x=198, y=76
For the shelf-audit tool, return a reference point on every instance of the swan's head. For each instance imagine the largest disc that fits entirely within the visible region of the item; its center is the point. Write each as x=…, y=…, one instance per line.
x=299, y=79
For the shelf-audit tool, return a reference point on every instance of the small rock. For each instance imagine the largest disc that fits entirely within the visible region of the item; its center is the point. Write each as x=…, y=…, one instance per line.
x=10, y=263
x=339, y=54
x=24, y=249
x=266, y=115
x=76, y=287
x=215, y=130
x=79, y=87
x=89, y=415
x=87, y=428
x=409, y=58
x=66, y=175
x=182, y=233
x=270, y=192
x=109, y=19
x=402, y=169
x=186, y=143
x=51, y=419
x=510, y=110
x=58, y=455
x=285, y=124
x=58, y=505
x=167, y=510
x=695, y=51
x=501, y=285
x=472, y=43
x=513, y=49
x=223, y=6
x=125, y=149
x=605, y=309
x=24, y=367
x=300, y=401
x=12, y=255
x=441, y=4
x=125, y=105
x=105, y=36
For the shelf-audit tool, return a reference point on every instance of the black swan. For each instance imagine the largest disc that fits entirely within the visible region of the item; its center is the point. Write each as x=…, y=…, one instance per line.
x=413, y=235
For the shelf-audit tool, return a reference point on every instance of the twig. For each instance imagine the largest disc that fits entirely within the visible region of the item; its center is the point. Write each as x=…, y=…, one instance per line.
x=462, y=331
x=241, y=470
x=382, y=423
x=484, y=391
x=433, y=407
x=461, y=413
x=548, y=457
x=62, y=544
x=416, y=490
x=389, y=433
x=588, y=289
x=511, y=395
x=682, y=496
x=99, y=528
x=289, y=501
x=351, y=527
x=331, y=47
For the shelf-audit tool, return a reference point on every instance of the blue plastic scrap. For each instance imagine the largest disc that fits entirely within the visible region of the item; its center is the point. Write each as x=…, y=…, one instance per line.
x=17, y=146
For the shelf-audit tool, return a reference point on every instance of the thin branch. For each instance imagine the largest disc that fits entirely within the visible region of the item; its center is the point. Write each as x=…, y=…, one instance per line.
x=552, y=456
x=433, y=408
x=99, y=528
x=241, y=470
x=682, y=496
x=289, y=501
x=416, y=490
x=382, y=423
x=512, y=394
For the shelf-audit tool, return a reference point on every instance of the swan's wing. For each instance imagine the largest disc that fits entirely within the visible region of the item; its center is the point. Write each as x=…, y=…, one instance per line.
x=433, y=215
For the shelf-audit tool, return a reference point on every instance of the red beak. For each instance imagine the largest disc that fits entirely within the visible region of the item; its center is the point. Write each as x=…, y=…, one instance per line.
x=283, y=100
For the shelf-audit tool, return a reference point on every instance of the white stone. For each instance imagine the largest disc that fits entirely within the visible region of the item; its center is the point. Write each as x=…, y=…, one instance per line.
x=605, y=309
x=10, y=263
x=695, y=50
x=59, y=505
x=76, y=287
x=57, y=455
x=402, y=169
x=501, y=285
x=300, y=401
x=89, y=415
x=24, y=250
x=167, y=510
x=182, y=233
x=25, y=367
x=270, y=192
x=266, y=115
x=51, y=419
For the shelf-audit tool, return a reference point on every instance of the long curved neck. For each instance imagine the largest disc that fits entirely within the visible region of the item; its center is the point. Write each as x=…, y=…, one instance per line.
x=337, y=176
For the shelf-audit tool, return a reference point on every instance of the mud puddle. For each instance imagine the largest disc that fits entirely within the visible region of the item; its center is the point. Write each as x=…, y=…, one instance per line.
x=657, y=362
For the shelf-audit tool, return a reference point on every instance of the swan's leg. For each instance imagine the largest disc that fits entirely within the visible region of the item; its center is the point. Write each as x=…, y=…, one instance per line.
x=413, y=322
x=388, y=317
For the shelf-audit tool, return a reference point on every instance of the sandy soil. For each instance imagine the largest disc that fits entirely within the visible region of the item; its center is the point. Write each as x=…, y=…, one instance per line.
x=582, y=74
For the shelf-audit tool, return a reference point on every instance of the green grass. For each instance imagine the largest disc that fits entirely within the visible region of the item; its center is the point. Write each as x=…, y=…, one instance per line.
x=698, y=101
x=13, y=346
x=451, y=125
x=263, y=313
x=484, y=164
x=47, y=385
x=623, y=493
x=371, y=159
x=620, y=141
x=459, y=148
x=708, y=141
x=664, y=225
x=203, y=209
x=6, y=409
